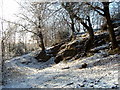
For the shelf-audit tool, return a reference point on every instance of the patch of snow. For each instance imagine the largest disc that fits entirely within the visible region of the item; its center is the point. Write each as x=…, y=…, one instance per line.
x=37, y=74
x=118, y=28
x=100, y=47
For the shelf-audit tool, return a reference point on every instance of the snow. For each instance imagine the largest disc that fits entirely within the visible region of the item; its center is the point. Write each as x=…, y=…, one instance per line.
x=100, y=47
x=26, y=72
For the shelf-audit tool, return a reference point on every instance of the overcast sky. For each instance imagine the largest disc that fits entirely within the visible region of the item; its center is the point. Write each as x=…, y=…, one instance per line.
x=10, y=7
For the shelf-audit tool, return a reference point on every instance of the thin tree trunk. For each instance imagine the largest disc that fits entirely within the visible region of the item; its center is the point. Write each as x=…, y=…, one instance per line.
x=3, y=68
x=72, y=25
x=73, y=29
x=89, y=29
x=42, y=42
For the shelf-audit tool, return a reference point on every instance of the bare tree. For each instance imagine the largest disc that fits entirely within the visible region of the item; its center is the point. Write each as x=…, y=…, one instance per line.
x=105, y=12
x=73, y=12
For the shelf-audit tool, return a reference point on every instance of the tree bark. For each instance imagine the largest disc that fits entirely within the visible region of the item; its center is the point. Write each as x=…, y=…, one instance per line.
x=73, y=29
x=42, y=55
x=89, y=28
x=110, y=26
x=42, y=42
x=3, y=61
x=72, y=25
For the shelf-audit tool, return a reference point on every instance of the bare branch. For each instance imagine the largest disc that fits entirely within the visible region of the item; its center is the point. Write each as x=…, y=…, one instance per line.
x=21, y=26
x=96, y=8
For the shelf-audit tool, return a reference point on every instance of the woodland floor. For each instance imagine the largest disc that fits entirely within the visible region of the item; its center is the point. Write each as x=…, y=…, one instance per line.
x=100, y=73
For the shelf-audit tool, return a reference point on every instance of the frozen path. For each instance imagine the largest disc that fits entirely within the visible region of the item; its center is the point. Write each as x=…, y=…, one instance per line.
x=26, y=72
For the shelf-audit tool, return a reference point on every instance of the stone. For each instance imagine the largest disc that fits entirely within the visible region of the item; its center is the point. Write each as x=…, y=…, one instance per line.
x=65, y=54
x=42, y=57
x=70, y=83
x=66, y=68
x=82, y=85
x=115, y=87
x=84, y=65
x=58, y=59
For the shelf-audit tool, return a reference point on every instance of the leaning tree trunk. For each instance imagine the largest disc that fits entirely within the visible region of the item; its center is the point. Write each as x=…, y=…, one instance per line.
x=89, y=28
x=90, y=41
x=110, y=26
x=42, y=56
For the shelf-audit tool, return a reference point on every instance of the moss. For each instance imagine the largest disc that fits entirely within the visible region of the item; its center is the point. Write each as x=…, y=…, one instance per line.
x=114, y=51
x=90, y=54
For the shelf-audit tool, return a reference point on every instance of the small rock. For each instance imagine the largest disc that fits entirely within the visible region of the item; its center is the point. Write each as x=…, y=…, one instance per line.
x=83, y=66
x=70, y=83
x=85, y=81
x=26, y=62
x=96, y=83
x=116, y=84
x=66, y=68
x=91, y=86
x=58, y=59
x=45, y=84
x=114, y=87
x=78, y=86
x=97, y=80
x=82, y=85
x=92, y=81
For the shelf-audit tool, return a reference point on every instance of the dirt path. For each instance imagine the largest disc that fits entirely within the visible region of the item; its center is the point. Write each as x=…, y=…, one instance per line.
x=100, y=73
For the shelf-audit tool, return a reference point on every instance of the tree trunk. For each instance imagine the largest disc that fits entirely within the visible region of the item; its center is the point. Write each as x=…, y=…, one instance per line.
x=3, y=49
x=42, y=42
x=2, y=62
x=72, y=25
x=110, y=26
x=90, y=41
x=89, y=28
x=42, y=55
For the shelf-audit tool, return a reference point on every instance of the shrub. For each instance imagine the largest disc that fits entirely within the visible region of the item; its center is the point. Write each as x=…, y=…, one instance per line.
x=63, y=34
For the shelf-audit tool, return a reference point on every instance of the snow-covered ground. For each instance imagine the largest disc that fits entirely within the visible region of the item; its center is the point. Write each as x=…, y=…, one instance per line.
x=26, y=72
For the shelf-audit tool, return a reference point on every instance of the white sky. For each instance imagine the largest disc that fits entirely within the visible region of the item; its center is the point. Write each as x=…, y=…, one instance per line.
x=10, y=7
